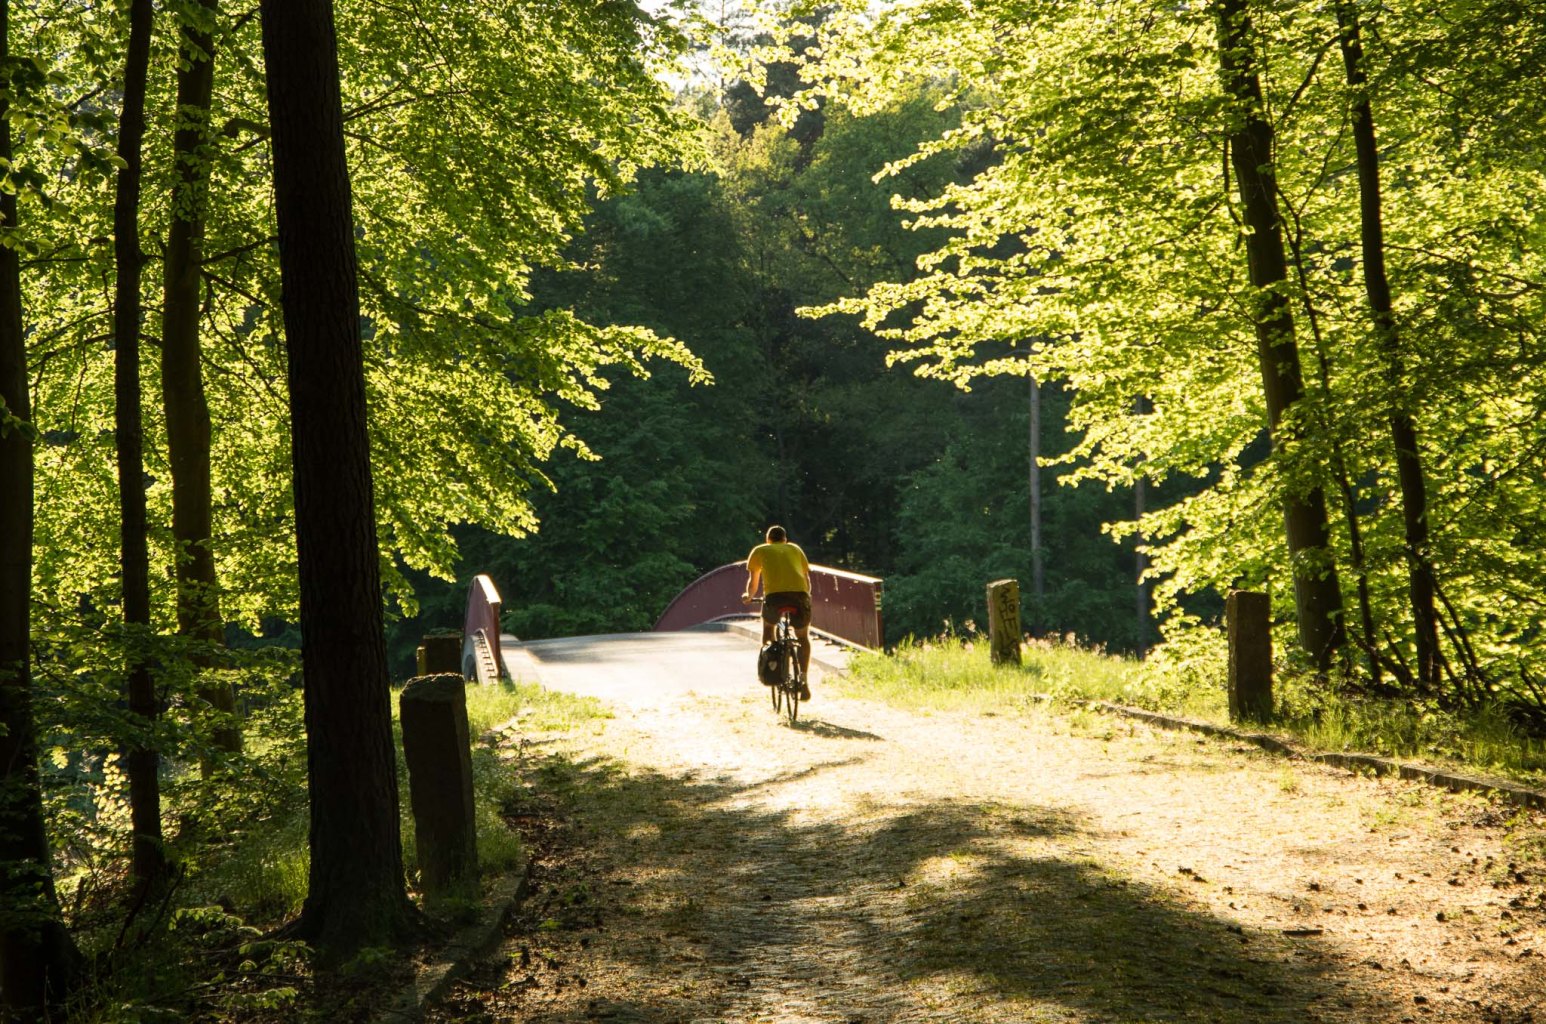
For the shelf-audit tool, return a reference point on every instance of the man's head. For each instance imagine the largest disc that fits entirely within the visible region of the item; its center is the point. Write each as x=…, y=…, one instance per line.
x=776, y=535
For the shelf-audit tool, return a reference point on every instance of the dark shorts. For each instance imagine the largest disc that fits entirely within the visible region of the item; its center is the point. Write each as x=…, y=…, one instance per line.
x=774, y=604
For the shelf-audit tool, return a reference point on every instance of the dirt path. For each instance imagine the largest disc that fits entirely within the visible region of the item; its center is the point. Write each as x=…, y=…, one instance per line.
x=697, y=862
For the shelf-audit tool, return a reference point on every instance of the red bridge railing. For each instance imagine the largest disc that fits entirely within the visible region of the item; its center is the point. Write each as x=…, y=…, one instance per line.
x=481, y=657
x=844, y=604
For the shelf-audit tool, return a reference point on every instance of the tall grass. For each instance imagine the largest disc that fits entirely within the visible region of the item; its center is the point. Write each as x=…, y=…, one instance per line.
x=957, y=674
x=1483, y=739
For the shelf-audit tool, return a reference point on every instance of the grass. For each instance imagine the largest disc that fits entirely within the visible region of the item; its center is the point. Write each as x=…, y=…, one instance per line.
x=494, y=786
x=954, y=673
x=263, y=873
x=204, y=955
x=957, y=675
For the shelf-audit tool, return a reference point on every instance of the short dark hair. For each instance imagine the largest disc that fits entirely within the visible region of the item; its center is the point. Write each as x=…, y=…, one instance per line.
x=776, y=535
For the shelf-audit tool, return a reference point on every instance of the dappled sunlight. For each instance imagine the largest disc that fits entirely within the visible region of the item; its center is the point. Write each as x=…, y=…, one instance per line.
x=944, y=870
x=880, y=864
x=738, y=909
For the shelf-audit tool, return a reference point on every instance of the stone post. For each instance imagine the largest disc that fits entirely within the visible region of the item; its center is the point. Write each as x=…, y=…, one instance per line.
x=1248, y=619
x=1004, y=621
x=442, y=652
x=437, y=750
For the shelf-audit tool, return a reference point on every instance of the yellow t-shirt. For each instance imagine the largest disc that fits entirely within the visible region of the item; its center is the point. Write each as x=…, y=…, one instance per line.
x=783, y=567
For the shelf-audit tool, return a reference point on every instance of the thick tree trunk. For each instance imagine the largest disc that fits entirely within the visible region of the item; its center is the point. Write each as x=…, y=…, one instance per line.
x=1317, y=595
x=149, y=860
x=37, y=957
x=356, y=895
x=182, y=380
x=1403, y=431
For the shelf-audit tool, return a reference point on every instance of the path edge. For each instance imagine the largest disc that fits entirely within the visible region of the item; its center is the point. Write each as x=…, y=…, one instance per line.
x=465, y=949
x=1357, y=763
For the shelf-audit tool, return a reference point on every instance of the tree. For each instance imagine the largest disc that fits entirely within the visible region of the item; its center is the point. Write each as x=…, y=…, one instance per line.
x=355, y=893
x=1403, y=430
x=1105, y=228
x=149, y=858
x=37, y=956
x=182, y=375
x=1250, y=142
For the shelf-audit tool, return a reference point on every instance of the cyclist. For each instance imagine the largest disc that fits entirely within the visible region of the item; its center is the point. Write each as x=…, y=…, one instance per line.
x=786, y=583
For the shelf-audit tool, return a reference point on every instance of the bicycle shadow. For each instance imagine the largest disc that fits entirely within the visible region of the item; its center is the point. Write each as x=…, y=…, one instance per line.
x=832, y=731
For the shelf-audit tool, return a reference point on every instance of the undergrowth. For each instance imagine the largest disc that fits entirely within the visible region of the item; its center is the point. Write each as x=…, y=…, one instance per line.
x=239, y=841
x=1187, y=680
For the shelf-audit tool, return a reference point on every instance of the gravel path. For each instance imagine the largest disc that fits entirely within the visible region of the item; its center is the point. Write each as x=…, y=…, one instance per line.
x=696, y=861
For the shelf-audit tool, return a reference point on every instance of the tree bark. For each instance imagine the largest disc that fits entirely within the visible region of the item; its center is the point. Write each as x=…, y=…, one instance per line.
x=1403, y=431
x=1317, y=594
x=38, y=959
x=356, y=896
x=149, y=860
x=182, y=379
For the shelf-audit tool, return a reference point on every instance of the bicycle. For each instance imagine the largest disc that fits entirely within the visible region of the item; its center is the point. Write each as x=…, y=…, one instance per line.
x=785, y=693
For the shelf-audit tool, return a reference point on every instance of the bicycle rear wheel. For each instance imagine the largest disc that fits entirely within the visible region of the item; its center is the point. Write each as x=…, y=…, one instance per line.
x=791, y=687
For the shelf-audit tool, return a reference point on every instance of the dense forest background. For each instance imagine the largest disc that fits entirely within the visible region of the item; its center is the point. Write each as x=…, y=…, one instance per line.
x=871, y=467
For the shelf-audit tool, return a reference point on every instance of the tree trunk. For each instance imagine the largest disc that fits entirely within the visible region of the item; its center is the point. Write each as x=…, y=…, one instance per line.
x=1360, y=572
x=1033, y=471
x=355, y=895
x=1403, y=431
x=182, y=380
x=149, y=860
x=1140, y=561
x=37, y=956
x=1317, y=595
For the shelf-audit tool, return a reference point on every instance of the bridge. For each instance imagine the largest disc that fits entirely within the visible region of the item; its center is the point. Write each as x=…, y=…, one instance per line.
x=703, y=638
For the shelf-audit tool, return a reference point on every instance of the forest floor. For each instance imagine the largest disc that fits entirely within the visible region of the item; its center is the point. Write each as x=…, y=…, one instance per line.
x=696, y=861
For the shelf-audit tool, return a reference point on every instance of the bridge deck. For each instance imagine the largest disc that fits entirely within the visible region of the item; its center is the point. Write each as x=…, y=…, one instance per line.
x=643, y=668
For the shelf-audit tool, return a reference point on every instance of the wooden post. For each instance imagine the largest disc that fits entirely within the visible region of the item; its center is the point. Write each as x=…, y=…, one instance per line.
x=1004, y=621
x=438, y=753
x=1247, y=617
x=442, y=652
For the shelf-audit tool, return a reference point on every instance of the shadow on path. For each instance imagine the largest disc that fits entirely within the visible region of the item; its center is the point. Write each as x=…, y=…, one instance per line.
x=718, y=907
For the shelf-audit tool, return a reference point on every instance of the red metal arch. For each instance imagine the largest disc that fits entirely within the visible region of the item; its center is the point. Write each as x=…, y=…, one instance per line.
x=844, y=604
x=482, y=658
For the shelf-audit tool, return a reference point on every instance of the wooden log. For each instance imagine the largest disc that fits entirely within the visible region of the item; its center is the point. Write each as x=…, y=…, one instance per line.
x=1248, y=619
x=442, y=652
x=438, y=753
x=1004, y=621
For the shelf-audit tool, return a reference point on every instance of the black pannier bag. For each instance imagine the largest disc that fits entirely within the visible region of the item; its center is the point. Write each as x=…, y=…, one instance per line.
x=770, y=663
